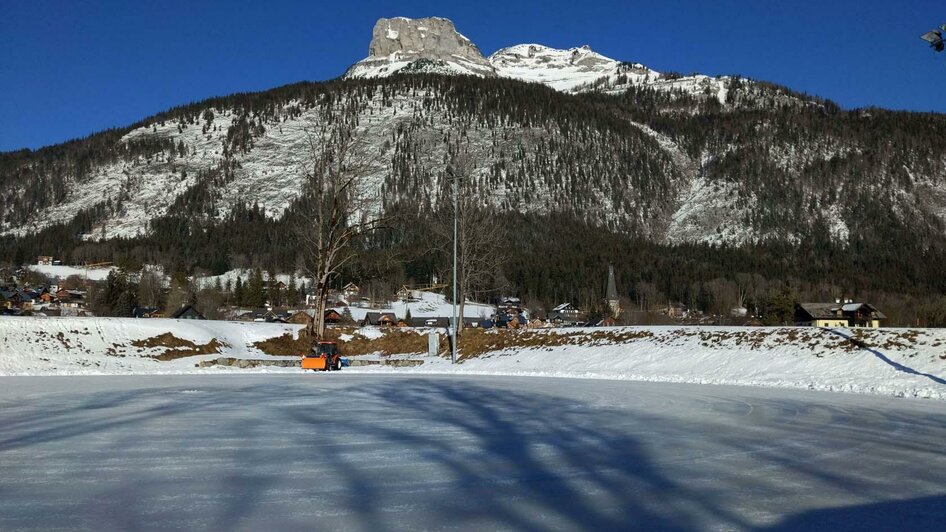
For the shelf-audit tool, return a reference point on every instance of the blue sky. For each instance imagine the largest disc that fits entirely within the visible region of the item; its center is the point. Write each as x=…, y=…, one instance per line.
x=71, y=68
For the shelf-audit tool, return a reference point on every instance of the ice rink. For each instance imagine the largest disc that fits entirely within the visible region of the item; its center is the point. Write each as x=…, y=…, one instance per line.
x=373, y=452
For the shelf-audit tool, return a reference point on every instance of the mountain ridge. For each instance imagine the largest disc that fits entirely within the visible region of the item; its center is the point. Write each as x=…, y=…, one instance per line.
x=415, y=46
x=661, y=158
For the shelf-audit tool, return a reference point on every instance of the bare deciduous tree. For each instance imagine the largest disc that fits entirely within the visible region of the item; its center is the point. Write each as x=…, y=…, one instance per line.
x=342, y=206
x=478, y=254
x=150, y=289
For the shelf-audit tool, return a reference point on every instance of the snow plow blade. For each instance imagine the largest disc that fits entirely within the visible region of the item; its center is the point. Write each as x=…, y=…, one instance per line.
x=317, y=363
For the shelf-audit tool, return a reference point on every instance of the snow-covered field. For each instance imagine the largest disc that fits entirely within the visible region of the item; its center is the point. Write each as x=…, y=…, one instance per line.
x=63, y=271
x=899, y=362
x=71, y=346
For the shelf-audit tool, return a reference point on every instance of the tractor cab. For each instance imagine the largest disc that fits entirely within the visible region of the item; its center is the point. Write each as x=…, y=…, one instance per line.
x=323, y=357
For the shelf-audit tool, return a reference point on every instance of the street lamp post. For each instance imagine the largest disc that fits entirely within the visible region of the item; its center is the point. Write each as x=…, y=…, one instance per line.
x=453, y=343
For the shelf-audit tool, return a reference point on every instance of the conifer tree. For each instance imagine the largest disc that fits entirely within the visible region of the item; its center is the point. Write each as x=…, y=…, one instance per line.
x=239, y=295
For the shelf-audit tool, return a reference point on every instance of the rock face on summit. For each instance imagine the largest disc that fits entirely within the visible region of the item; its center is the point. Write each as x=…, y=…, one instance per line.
x=420, y=45
x=429, y=38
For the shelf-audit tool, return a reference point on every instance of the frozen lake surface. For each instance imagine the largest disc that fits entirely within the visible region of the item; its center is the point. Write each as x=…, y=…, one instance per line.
x=372, y=452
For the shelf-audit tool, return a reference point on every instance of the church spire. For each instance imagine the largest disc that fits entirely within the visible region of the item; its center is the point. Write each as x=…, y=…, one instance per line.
x=612, y=293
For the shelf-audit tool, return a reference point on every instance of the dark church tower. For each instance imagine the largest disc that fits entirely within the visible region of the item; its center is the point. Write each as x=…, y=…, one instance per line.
x=611, y=296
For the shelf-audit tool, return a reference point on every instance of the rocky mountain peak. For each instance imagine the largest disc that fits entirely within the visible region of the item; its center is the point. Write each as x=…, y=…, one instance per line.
x=429, y=38
x=419, y=45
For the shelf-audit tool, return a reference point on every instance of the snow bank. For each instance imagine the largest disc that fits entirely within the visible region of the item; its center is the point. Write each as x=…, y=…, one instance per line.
x=67, y=346
x=899, y=362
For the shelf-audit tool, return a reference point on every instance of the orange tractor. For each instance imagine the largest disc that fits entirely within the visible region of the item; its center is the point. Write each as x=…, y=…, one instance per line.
x=325, y=357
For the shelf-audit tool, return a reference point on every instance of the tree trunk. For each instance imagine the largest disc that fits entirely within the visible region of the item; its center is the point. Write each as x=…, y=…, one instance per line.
x=319, y=319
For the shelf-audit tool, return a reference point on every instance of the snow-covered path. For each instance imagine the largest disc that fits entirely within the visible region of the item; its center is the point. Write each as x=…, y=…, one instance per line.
x=371, y=452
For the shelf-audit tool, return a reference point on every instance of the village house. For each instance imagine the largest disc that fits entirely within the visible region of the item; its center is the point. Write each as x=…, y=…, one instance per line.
x=351, y=291
x=381, y=319
x=565, y=314
x=257, y=315
x=73, y=299
x=187, y=312
x=609, y=321
x=332, y=316
x=301, y=317
x=408, y=294
x=146, y=312
x=838, y=314
x=16, y=299
x=430, y=322
x=509, y=306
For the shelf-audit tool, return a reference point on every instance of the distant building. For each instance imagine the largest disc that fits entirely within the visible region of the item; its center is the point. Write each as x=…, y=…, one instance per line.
x=332, y=316
x=565, y=314
x=44, y=260
x=187, y=312
x=16, y=299
x=351, y=291
x=145, y=312
x=509, y=306
x=838, y=314
x=408, y=294
x=382, y=319
x=430, y=322
x=609, y=321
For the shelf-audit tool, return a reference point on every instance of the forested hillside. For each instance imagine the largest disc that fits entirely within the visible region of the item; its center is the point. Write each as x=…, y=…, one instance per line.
x=680, y=191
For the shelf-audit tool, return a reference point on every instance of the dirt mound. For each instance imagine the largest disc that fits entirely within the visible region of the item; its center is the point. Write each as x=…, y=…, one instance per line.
x=177, y=347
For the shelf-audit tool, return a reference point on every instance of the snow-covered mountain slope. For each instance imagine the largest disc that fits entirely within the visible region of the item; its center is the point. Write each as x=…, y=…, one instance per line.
x=563, y=70
x=238, y=159
x=432, y=45
x=668, y=158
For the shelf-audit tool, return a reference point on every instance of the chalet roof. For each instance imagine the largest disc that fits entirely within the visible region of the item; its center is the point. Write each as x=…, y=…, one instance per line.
x=10, y=294
x=820, y=310
x=430, y=322
x=560, y=316
x=186, y=309
x=255, y=315
x=564, y=306
x=442, y=321
x=838, y=310
x=866, y=307
x=373, y=318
